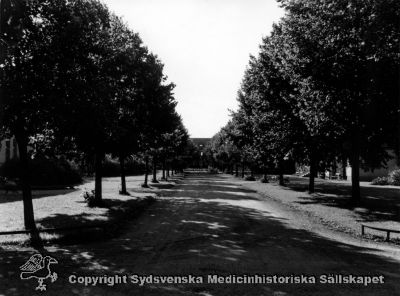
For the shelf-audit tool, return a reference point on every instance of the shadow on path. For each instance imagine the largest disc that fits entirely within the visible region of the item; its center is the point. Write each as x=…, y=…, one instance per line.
x=377, y=203
x=206, y=226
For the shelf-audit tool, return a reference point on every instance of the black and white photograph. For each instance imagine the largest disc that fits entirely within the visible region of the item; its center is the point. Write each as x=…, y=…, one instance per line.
x=200, y=147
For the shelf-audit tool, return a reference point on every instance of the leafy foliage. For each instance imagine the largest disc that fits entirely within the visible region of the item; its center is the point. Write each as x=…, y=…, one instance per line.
x=394, y=178
x=323, y=89
x=77, y=81
x=380, y=181
x=45, y=171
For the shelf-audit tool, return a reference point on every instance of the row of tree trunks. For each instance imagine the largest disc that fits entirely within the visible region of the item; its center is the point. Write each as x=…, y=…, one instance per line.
x=355, y=171
x=167, y=171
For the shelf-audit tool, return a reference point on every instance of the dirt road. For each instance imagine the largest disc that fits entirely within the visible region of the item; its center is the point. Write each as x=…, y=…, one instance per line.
x=204, y=226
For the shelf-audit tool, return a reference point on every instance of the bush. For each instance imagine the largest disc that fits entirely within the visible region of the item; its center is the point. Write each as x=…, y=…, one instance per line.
x=111, y=167
x=380, y=181
x=264, y=180
x=45, y=172
x=394, y=178
x=249, y=178
x=273, y=178
x=212, y=170
x=89, y=198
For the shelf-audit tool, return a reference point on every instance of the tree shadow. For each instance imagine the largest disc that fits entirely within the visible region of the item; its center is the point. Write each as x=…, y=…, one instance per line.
x=202, y=233
x=89, y=226
x=376, y=204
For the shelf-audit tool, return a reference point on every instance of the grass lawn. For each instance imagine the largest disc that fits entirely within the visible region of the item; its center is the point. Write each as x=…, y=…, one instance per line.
x=330, y=204
x=67, y=208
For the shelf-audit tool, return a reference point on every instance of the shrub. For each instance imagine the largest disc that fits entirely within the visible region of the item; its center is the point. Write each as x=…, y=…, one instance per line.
x=380, y=181
x=394, y=178
x=212, y=170
x=89, y=198
x=264, y=179
x=45, y=172
x=249, y=178
x=274, y=178
x=111, y=167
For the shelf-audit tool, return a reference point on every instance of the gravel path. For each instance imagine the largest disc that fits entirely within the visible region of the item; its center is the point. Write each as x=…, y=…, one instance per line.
x=212, y=225
x=330, y=205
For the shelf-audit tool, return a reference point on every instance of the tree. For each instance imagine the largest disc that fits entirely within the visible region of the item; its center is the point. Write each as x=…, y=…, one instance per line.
x=276, y=130
x=126, y=70
x=25, y=73
x=311, y=129
x=173, y=144
x=344, y=53
x=241, y=133
x=160, y=116
x=76, y=78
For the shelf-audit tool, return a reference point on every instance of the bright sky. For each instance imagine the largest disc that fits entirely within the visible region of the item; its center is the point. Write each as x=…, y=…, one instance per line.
x=205, y=46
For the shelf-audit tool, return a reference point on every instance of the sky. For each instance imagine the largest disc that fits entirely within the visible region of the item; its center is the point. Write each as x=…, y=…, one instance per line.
x=205, y=46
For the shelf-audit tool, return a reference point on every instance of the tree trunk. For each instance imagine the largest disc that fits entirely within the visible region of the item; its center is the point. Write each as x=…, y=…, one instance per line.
x=146, y=173
x=265, y=177
x=313, y=170
x=154, y=170
x=167, y=166
x=243, y=168
x=29, y=217
x=280, y=167
x=237, y=171
x=323, y=169
x=355, y=172
x=98, y=178
x=123, y=179
x=333, y=169
x=163, y=170
x=344, y=166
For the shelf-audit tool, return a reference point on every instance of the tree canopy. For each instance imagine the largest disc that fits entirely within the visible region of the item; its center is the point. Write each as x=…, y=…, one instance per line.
x=76, y=77
x=324, y=88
